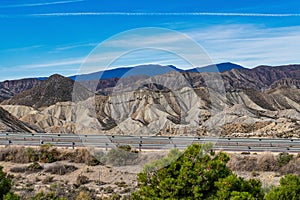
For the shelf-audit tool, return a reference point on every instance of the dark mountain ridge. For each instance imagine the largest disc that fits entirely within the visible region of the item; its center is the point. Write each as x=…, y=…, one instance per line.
x=55, y=89
x=10, y=88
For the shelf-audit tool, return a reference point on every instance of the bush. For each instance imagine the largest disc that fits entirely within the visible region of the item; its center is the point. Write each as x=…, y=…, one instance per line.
x=61, y=169
x=14, y=154
x=108, y=190
x=32, y=168
x=5, y=183
x=81, y=180
x=11, y=196
x=83, y=196
x=48, y=154
x=18, y=169
x=80, y=156
x=199, y=173
x=48, y=179
x=172, y=156
x=267, y=162
x=32, y=154
x=121, y=184
x=115, y=196
x=284, y=158
x=49, y=196
x=289, y=188
x=121, y=156
x=293, y=167
x=242, y=163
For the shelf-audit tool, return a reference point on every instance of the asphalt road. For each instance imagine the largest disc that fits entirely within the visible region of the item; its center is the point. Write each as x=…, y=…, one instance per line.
x=151, y=143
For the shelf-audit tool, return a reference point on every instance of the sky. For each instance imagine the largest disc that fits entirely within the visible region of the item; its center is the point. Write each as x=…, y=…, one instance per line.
x=42, y=37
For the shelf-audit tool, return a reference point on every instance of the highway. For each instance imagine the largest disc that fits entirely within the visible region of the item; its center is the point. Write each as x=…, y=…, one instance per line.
x=150, y=142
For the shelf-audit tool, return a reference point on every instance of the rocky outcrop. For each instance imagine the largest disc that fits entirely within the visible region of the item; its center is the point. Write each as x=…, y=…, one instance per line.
x=237, y=113
x=261, y=102
x=9, y=123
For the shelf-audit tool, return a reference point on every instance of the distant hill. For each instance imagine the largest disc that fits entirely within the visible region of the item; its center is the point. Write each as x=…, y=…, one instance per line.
x=234, y=77
x=151, y=70
x=222, y=67
x=148, y=70
x=10, y=88
x=55, y=89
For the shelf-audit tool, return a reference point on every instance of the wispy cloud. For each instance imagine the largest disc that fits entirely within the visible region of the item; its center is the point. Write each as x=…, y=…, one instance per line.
x=169, y=14
x=246, y=44
x=74, y=46
x=59, y=63
x=69, y=14
x=250, y=45
x=40, y=4
x=18, y=49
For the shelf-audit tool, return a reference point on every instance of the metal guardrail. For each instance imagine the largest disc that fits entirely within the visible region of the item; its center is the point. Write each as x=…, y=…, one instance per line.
x=150, y=142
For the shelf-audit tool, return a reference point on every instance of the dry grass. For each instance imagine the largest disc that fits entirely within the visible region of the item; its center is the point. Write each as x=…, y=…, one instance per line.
x=265, y=162
x=60, y=169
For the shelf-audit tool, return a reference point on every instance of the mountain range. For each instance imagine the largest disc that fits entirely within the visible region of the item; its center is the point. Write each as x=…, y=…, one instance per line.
x=262, y=102
x=10, y=88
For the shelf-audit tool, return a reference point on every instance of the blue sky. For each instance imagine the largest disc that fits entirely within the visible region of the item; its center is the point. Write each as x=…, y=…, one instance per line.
x=43, y=37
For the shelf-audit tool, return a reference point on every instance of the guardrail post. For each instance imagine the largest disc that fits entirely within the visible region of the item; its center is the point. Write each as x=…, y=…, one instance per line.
x=170, y=140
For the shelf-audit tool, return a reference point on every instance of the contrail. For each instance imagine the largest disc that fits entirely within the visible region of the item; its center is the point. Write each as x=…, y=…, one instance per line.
x=168, y=14
x=40, y=4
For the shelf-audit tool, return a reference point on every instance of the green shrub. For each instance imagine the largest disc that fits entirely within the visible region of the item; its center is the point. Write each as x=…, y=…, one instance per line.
x=5, y=183
x=48, y=154
x=199, y=173
x=11, y=196
x=172, y=156
x=81, y=180
x=32, y=154
x=289, y=188
x=284, y=158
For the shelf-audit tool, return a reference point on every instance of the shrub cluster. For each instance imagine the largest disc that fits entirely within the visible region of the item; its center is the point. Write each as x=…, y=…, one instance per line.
x=60, y=169
x=284, y=163
x=122, y=155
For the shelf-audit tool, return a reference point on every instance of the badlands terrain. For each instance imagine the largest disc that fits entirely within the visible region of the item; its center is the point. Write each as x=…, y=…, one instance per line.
x=241, y=102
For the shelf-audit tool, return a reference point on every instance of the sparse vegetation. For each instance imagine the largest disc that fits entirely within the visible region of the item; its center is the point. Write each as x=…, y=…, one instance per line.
x=48, y=196
x=122, y=155
x=284, y=163
x=47, y=180
x=284, y=158
x=60, y=169
x=172, y=156
x=82, y=179
x=175, y=175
